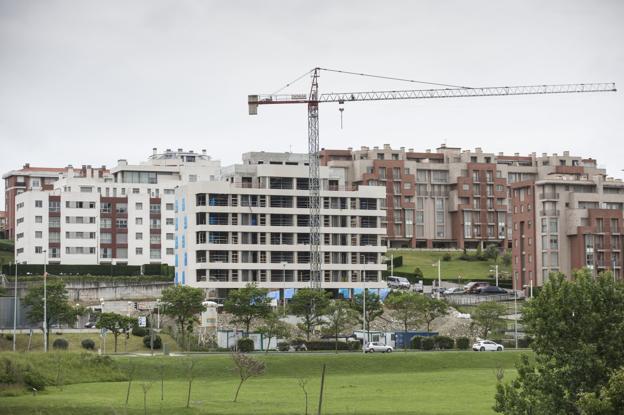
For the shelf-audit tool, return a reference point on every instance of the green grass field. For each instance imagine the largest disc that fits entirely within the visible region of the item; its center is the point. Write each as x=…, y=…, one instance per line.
x=398, y=383
x=132, y=345
x=468, y=270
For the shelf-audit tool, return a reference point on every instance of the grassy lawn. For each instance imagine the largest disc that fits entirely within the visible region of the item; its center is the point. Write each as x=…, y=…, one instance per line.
x=398, y=383
x=132, y=345
x=468, y=270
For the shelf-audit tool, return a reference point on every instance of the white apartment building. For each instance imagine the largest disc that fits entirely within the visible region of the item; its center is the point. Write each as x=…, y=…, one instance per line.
x=95, y=216
x=253, y=226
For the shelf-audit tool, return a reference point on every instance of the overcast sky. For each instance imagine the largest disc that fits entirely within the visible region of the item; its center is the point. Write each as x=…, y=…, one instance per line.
x=89, y=82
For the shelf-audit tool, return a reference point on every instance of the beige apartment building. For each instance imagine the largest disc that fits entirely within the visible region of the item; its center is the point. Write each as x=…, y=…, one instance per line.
x=454, y=198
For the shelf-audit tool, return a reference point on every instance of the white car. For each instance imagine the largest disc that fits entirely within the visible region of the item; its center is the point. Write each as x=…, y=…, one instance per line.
x=453, y=291
x=487, y=345
x=398, y=282
x=377, y=347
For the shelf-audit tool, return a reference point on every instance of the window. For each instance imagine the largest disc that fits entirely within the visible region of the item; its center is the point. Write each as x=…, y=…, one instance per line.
x=38, y=203
x=169, y=221
x=121, y=208
x=138, y=236
x=106, y=223
x=154, y=208
x=38, y=250
x=38, y=219
x=155, y=238
x=155, y=254
x=169, y=236
x=54, y=237
x=38, y=234
x=105, y=207
x=169, y=206
x=54, y=206
x=192, y=178
x=154, y=223
x=169, y=251
x=122, y=223
x=138, y=221
x=106, y=238
x=121, y=238
x=138, y=206
x=35, y=182
x=122, y=253
x=136, y=190
x=138, y=251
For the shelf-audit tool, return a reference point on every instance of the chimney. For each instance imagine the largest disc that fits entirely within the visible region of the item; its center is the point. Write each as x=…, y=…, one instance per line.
x=154, y=151
x=411, y=150
x=478, y=150
x=27, y=165
x=534, y=154
x=122, y=162
x=517, y=154
x=387, y=147
x=179, y=150
x=500, y=153
x=204, y=152
x=402, y=149
x=566, y=154
x=544, y=155
x=443, y=145
x=376, y=148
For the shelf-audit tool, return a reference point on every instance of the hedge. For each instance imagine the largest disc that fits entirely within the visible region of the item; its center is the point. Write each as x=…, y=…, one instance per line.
x=416, y=342
x=428, y=343
x=397, y=261
x=330, y=345
x=100, y=270
x=245, y=345
x=157, y=342
x=462, y=343
x=60, y=344
x=443, y=342
x=7, y=246
x=88, y=344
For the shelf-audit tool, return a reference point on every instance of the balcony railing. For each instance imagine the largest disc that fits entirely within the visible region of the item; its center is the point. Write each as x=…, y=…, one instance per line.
x=549, y=195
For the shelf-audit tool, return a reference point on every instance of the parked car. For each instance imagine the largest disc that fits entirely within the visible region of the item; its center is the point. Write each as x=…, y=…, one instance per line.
x=398, y=282
x=89, y=325
x=377, y=347
x=453, y=291
x=436, y=290
x=472, y=287
x=487, y=345
x=417, y=286
x=491, y=290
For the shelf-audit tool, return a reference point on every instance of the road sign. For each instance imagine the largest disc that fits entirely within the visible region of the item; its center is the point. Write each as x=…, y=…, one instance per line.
x=142, y=321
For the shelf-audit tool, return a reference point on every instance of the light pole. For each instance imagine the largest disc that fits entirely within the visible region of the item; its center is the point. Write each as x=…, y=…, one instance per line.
x=158, y=311
x=495, y=273
x=613, y=266
x=439, y=278
x=284, y=283
x=77, y=316
x=364, y=306
x=45, y=301
x=15, y=307
x=103, y=330
x=516, y=311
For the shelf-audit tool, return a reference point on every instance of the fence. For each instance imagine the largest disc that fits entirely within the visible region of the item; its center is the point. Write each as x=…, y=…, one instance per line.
x=471, y=299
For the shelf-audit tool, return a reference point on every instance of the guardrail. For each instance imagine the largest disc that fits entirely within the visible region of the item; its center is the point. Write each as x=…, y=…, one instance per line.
x=475, y=299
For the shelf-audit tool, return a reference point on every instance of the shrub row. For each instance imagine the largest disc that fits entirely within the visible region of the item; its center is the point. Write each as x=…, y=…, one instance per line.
x=157, y=342
x=439, y=343
x=331, y=345
x=397, y=261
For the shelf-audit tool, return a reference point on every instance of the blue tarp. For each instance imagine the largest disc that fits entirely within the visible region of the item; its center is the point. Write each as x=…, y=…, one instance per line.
x=274, y=295
x=345, y=292
x=289, y=293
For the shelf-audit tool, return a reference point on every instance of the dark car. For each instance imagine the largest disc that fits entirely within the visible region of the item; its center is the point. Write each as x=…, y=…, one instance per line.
x=491, y=289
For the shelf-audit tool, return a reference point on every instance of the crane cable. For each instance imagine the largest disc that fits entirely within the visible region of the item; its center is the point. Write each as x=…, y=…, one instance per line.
x=392, y=78
x=292, y=82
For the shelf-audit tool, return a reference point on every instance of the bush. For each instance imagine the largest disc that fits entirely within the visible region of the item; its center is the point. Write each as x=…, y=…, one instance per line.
x=507, y=258
x=443, y=342
x=20, y=374
x=245, y=345
x=416, y=342
x=60, y=344
x=462, y=343
x=428, y=343
x=354, y=345
x=491, y=251
x=525, y=342
x=88, y=344
x=283, y=346
x=139, y=331
x=418, y=273
x=9, y=337
x=34, y=379
x=447, y=257
x=326, y=345
x=157, y=342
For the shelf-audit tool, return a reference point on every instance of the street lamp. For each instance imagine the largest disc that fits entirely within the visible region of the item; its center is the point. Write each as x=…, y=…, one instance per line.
x=516, y=310
x=495, y=270
x=15, y=307
x=364, y=332
x=103, y=330
x=45, y=301
x=158, y=311
x=439, y=277
x=284, y=283
x=77, y=316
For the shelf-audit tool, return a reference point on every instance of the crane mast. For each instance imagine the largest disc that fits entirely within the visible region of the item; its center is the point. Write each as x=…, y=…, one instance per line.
x=313, y=99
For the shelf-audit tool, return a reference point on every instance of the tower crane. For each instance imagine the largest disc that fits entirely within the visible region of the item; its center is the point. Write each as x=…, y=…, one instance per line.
x=313, y=99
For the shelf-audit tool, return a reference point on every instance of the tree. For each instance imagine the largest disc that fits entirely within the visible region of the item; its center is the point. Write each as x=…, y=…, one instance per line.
x=309, y=304
x=116, y=323
x=418, y=273
x=487, y=316
x=247, y=304
x=405, y=308
x=578, y=331
x=247, y=367
x=273, y=327
x=491, y=252
x=610, y=400
x=374, y=309
x=338, y=317
x=58, y=308
x=183, y=303
x=431, y=308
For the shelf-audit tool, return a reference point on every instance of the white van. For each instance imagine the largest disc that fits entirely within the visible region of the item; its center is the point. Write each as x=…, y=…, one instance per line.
x=398, y=282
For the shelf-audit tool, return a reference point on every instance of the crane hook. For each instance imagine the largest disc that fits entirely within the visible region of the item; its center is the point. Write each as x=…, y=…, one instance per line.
x=341, y=109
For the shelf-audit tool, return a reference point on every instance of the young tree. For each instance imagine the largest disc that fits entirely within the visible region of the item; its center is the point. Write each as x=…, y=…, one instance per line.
x=374, y=309
x=247, y=304
x=309, y=304
x=487, y=316
x=116, y=323
x=338, y=317
x=273, y=327
x=577, y=332
x=431, y=308
x=183, y=303
x=58, y=308
x=247, y=367
x=405, y=308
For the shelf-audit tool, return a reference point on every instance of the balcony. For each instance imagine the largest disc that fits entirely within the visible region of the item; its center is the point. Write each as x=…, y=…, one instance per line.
x=549, y=195
x=549, y=212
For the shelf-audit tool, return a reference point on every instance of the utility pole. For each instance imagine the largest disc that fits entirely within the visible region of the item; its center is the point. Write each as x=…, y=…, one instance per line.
x=45, y=302
x=391, y=264
x=364, y=307
x=15, y=307
x=516, y=311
